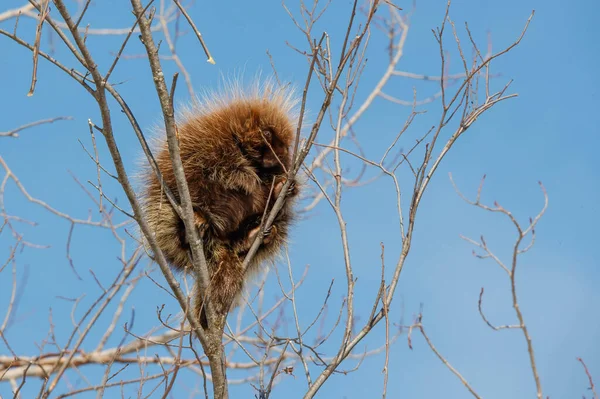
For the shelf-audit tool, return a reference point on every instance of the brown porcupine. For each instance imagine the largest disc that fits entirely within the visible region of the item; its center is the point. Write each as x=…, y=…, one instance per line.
x=235, y=150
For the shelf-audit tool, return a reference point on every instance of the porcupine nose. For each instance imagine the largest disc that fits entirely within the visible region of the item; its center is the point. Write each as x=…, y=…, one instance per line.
x=270, y=161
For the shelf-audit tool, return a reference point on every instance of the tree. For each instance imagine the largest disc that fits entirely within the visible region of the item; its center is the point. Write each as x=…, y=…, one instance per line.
x=266, y=341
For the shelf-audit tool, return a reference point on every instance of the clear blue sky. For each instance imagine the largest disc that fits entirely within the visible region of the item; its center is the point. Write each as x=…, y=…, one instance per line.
x=549, y=133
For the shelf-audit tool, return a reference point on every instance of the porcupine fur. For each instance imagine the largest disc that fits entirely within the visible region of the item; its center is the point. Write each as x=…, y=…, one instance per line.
x=236, y=150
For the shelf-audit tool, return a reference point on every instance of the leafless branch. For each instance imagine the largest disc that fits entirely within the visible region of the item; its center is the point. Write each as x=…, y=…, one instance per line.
x=15, y=132
x=589, y=376
x=511, y=270
x=419, y=326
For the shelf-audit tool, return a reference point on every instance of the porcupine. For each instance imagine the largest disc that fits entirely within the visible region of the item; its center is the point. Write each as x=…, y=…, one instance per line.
x=236, y=151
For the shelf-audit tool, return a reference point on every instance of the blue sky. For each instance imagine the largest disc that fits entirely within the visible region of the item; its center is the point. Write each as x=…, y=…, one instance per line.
x=549, y=133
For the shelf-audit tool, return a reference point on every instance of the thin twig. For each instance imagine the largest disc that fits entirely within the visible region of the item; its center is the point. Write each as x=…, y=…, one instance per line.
x=210, y=59
x=14, y=132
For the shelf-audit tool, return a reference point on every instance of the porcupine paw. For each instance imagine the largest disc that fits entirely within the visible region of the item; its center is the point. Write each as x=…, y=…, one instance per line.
x=280, y=182
x=268, y=235
x=292, y=189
